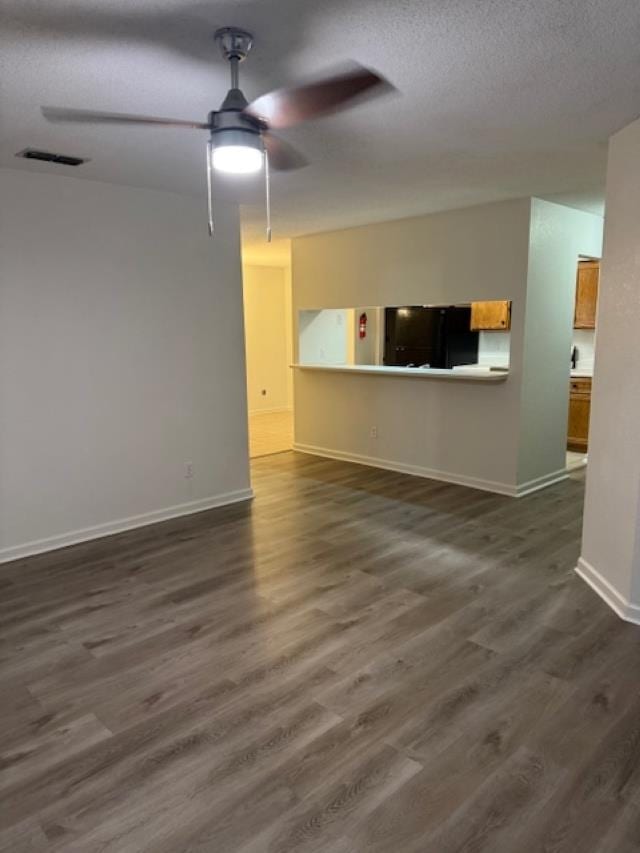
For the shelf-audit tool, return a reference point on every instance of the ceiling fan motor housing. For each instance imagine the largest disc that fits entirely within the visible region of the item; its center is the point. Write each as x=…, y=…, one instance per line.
x=231, y=127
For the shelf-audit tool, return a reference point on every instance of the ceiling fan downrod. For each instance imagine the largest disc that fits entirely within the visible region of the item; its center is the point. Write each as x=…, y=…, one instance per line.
x=233, y=133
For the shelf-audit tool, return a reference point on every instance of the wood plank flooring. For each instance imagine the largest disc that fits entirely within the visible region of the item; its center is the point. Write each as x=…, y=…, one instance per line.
x=357, y=661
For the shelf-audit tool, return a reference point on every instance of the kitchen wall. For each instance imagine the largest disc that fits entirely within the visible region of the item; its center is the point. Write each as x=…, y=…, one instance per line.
x=267, y=312
x=585, y=341
x=121, y=360
x=318, y=334
x=368, y=350
x=493, y=348
x=332, y=336
x=610, y=559
x=460, y=431
x=325, y=336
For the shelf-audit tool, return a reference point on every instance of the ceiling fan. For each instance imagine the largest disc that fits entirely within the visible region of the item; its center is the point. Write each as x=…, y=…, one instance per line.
x=240, y=138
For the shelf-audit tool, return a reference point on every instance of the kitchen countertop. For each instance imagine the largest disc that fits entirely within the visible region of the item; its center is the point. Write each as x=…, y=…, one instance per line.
x=582, y=373
x=470, y=374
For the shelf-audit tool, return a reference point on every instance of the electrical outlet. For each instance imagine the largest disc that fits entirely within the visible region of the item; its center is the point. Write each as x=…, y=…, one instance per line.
x=373, y=432
x=188, y=470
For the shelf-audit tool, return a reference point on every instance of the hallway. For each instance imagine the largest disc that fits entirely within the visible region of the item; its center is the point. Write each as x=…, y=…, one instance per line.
x=270, y=432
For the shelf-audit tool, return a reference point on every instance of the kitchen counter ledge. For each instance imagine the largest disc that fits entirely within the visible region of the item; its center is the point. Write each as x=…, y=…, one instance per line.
x=470, y=374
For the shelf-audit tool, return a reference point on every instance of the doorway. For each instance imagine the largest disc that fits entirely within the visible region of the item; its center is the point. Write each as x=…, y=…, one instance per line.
x=266, y=273
x=582, y=358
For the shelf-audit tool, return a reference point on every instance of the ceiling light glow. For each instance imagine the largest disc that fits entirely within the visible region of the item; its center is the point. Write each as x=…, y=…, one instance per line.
x=236, y=159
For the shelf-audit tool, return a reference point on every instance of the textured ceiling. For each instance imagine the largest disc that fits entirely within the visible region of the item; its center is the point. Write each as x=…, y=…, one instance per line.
x=497, y=99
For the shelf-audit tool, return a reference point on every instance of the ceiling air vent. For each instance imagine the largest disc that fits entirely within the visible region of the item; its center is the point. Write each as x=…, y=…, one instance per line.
x=49, y=157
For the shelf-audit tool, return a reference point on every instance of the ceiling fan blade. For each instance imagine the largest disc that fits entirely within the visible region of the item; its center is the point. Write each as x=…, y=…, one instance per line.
x=282, y=156
x=288, y=106
x=62, y=114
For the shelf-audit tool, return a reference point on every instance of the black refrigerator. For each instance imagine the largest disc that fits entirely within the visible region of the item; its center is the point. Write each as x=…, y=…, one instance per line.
x=415, y=336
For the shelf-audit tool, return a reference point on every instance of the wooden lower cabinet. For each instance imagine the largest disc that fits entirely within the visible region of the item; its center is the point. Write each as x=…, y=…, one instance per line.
x=579, y=411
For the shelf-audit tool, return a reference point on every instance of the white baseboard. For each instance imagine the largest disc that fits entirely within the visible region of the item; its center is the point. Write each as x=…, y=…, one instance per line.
x=52, y=543
x=541, y=482
x=434, y=474
x=402, y=468
x=608, y=593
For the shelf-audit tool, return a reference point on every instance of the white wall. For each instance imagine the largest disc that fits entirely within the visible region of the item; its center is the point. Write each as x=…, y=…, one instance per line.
x=460, y=431
x=611, y=536
x=121, y=359
x=267, y=312
x=558, y=236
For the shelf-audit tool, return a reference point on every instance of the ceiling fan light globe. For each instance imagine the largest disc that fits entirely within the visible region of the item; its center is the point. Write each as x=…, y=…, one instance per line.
x=236, y=159
x=236, y=150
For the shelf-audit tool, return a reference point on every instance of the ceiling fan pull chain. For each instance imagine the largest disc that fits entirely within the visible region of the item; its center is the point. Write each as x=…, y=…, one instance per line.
x=267, y=193
x=210, y=187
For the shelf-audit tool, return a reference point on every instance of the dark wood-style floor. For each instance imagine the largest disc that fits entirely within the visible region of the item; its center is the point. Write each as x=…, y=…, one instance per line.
x=358, y=661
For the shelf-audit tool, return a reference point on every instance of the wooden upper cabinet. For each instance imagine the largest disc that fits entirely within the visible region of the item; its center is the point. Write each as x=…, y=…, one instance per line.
x=586, y=295
x=490, y=316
